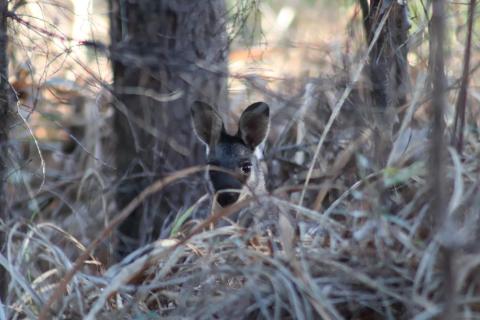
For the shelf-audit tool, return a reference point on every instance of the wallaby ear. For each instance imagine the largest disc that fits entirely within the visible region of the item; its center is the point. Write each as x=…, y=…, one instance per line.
x=254, y=124
x=207, y=122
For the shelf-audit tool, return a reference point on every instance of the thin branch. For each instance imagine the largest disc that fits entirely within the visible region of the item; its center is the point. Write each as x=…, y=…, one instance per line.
x=460, y=108
x=438, y=205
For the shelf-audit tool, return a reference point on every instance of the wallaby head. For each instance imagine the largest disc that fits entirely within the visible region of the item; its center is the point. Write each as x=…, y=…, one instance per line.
x=235, y=153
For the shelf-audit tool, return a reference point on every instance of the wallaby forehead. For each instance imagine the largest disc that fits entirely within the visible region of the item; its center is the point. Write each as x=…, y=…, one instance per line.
x=230, y=148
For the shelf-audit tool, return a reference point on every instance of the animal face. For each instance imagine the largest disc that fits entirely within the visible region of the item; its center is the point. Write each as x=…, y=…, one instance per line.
x=235, y=154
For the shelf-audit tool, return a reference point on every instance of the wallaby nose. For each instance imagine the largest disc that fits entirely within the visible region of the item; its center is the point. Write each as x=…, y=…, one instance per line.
x=223, y=181
x=227, y=198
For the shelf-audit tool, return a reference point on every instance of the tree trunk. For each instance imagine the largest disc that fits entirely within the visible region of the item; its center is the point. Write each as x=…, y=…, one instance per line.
x=387, y=67
x=161, y=48
x=4, y=125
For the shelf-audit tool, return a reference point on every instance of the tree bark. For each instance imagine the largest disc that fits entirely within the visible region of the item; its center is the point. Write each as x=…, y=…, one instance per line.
x=4, y=125
x=162, y=47
x=387, y=67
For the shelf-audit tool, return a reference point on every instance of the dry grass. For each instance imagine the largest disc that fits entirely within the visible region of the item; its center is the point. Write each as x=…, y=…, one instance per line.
x=340, y=237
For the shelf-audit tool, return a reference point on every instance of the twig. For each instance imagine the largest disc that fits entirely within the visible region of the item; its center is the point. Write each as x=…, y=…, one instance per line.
x=438, y=205
x=457, y=137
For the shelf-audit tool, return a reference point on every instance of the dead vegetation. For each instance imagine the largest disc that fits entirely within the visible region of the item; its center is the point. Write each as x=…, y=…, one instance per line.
x=346, y=237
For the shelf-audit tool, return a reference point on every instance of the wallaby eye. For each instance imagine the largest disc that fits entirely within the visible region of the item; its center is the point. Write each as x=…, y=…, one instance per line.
x=246, y=167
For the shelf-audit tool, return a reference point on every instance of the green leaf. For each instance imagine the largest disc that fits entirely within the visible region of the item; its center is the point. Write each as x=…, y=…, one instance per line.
x=181, y=220
x=394, y=176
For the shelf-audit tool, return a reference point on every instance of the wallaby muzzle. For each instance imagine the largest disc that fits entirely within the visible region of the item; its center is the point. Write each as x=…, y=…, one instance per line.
x=225, y=181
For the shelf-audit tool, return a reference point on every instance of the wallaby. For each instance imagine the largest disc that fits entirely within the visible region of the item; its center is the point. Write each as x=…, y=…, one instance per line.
x=235, y=153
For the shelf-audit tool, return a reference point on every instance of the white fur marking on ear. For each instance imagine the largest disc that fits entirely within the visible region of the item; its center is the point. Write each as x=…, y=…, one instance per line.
x=259, y=151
